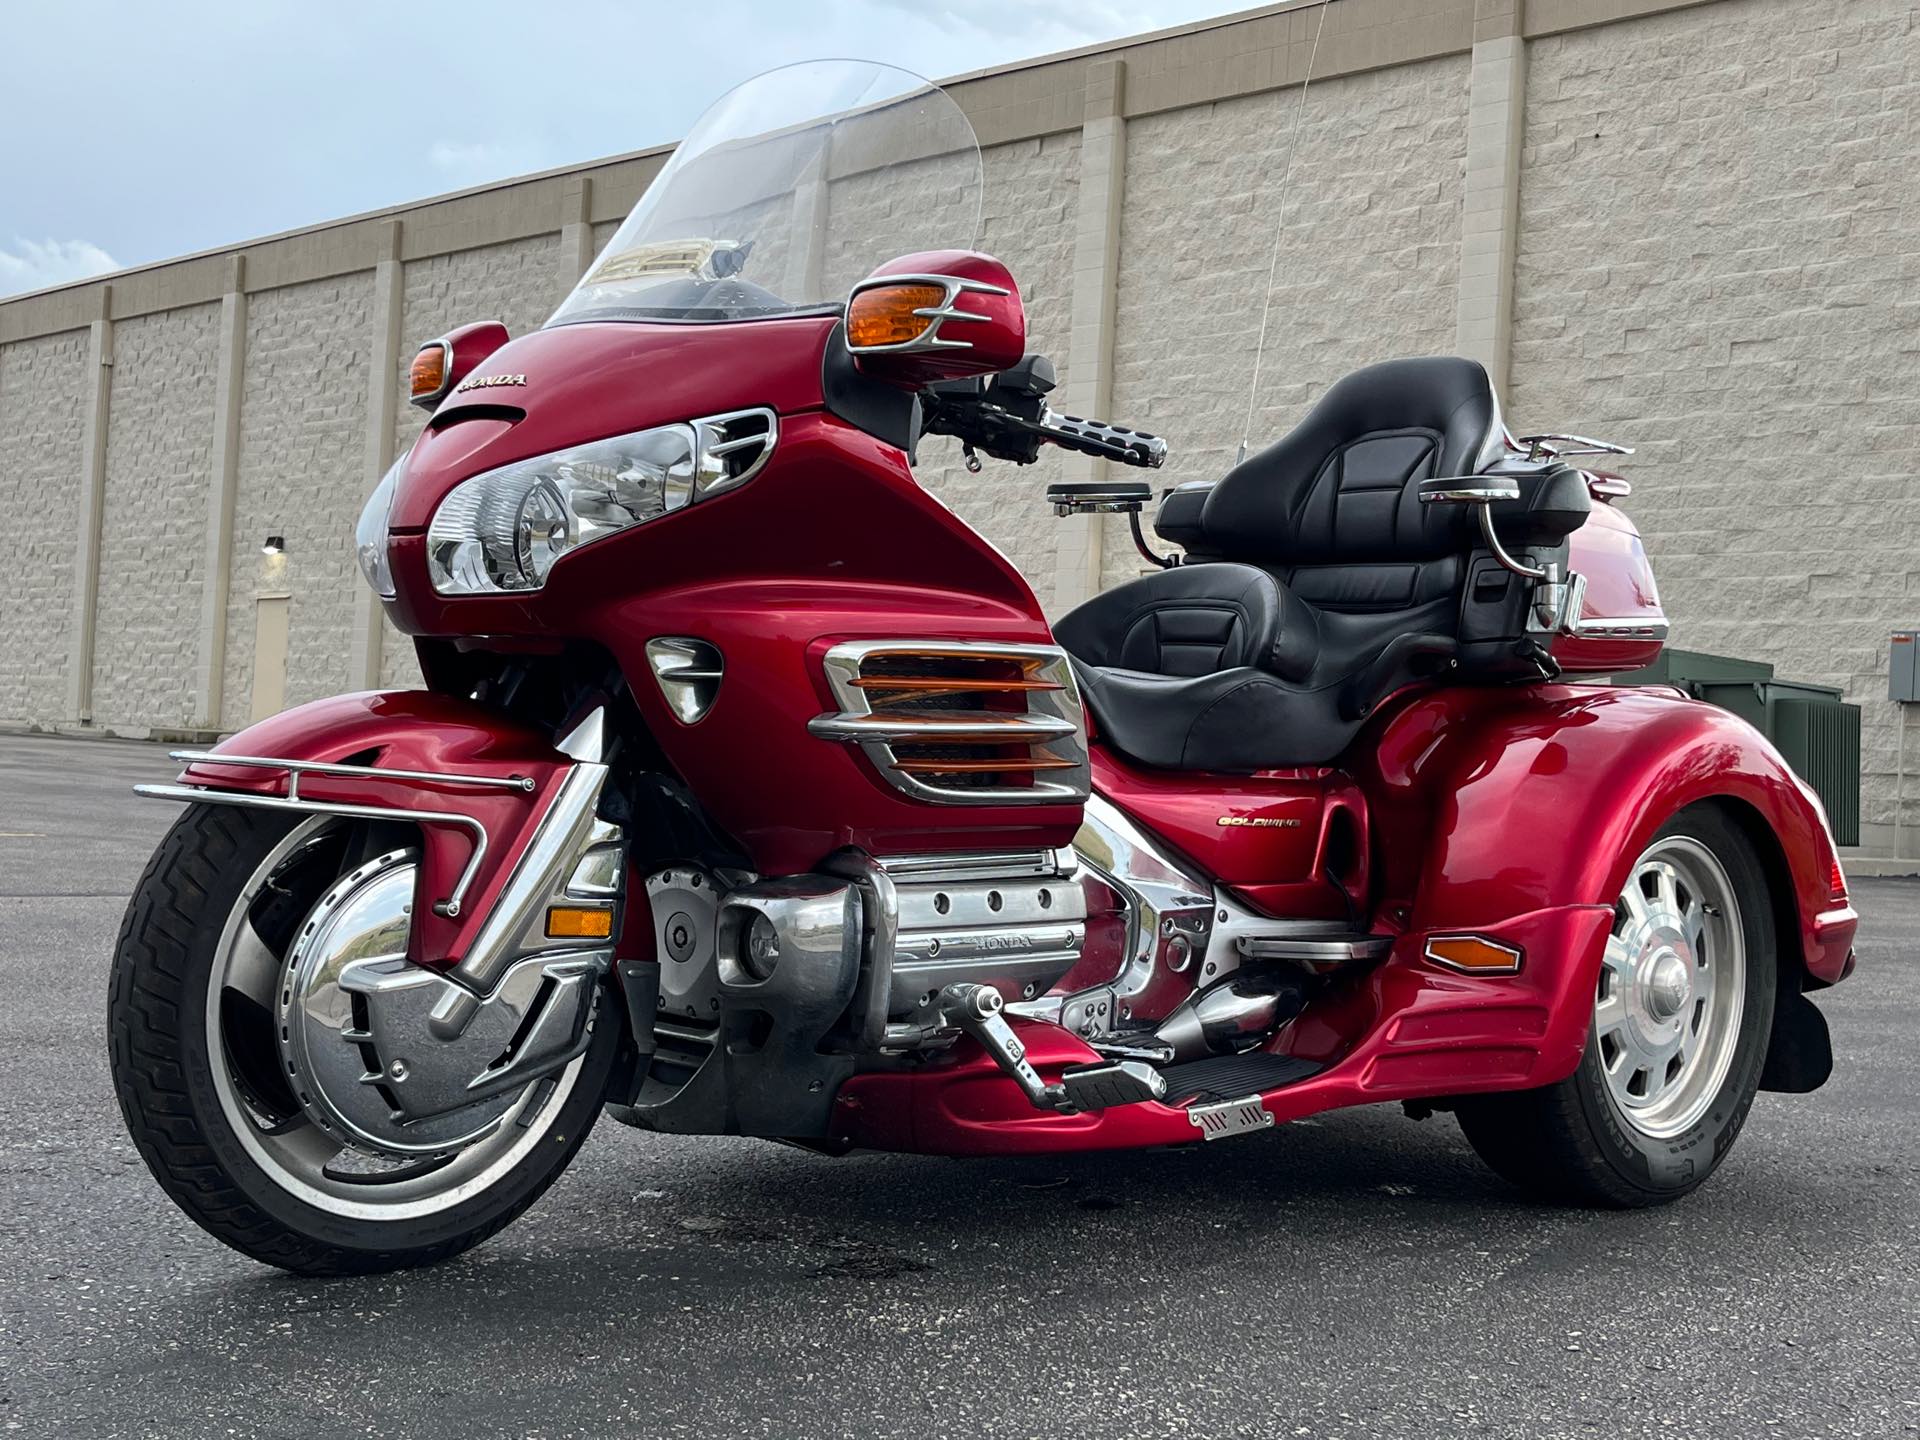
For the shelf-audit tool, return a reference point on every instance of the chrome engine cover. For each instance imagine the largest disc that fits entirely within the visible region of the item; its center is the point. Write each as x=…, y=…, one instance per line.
x=1015, y=922
x=357, y=1023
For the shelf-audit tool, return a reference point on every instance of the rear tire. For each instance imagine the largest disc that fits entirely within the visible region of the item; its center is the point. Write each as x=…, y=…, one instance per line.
x=1638, y=1123
x=165, y=1079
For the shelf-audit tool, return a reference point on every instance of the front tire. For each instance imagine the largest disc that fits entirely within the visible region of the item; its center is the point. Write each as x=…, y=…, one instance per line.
x=199, y=1082
x=1682, y=1013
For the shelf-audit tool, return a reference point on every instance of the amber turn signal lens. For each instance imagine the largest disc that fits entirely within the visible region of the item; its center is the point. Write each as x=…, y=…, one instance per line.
x=568, y=922
x=429, y=373
x=1473, y=954
x=885, y=314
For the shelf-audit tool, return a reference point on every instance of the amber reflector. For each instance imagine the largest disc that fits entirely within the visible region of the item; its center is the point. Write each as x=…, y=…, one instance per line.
x=567, y=922
x=1473, y=954
x=429, y=374
x=884, y=315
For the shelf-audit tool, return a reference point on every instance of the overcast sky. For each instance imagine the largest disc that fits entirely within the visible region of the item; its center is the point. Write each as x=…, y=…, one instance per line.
x=143, y=131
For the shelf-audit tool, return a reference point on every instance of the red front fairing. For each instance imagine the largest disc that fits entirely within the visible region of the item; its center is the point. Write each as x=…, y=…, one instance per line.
x=835, y=540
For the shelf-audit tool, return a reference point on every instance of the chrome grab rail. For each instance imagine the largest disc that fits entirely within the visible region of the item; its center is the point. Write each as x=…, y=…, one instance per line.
x=294, y=803
x=296, y=768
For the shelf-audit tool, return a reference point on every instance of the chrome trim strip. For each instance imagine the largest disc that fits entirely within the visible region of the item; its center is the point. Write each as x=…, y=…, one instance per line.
x=428, y=402
x=1012, y=730
x=1223, y=1119
x=1446, y=964
x=1325, y=950
x=688, y=672
x=296, y=768
x=450, y=907
x=708, y=433
x=1606, y=627
x=1542, y=447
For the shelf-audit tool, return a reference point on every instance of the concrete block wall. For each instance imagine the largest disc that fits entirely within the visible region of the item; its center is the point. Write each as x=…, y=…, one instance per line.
x=302, y=426
x=1685, y=222
x=159, y=441
x=1719, y=263
x=43, y=387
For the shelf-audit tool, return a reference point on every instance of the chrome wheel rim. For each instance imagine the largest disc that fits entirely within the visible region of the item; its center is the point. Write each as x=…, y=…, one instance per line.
x=282, y=1139
x=1672, y=987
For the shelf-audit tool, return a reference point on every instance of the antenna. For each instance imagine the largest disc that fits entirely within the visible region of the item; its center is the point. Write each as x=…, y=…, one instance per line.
x=1279, y=229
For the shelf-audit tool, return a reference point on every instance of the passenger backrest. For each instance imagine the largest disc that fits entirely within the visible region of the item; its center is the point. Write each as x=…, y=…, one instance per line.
x=1333, y=507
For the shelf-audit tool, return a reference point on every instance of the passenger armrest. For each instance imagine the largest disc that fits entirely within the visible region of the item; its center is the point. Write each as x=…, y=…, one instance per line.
x=1178, y=519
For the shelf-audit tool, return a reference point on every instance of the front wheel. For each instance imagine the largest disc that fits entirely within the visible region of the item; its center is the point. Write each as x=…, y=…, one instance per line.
x=1681, y=1015
x=219, y=1113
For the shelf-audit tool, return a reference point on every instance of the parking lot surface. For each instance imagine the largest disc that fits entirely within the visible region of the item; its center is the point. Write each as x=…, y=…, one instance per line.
x=1359, y=1275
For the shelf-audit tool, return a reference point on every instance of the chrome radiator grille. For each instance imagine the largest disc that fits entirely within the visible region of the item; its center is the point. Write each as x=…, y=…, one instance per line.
x=962, y=723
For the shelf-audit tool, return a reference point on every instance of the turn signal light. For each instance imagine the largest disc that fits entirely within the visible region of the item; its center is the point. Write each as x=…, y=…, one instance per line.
x=885, y=315
x=571, y=922
x=427, y=380
x=1473, y=955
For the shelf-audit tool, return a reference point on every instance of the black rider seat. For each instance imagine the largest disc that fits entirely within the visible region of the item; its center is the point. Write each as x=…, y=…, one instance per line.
x=1315, y=581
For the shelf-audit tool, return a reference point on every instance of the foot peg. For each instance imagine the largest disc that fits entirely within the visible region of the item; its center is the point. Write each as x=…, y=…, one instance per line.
x=1111, y=1083
x=975, y=1010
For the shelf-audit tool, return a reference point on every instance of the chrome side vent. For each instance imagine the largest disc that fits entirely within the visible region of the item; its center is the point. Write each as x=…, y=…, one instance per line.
x=962, y=723
x=689, y=672
x=733, y=447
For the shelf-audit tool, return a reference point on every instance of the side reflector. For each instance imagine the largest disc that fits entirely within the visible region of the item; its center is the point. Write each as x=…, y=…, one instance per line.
x=570, y=922
x=427, y=380
x=885, y=315
x=1473, y=955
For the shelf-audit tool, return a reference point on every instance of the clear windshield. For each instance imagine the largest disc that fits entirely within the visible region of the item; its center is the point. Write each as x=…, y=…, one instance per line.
x=790, y=188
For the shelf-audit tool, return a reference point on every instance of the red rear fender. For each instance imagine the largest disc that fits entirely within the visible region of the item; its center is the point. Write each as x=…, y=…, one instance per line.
x=1546, y=798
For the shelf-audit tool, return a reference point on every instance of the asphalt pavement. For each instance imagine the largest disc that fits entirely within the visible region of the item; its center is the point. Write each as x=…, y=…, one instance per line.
x=1359, y=1275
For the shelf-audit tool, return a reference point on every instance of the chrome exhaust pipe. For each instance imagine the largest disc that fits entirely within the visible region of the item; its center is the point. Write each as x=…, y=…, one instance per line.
x=1234, y=1015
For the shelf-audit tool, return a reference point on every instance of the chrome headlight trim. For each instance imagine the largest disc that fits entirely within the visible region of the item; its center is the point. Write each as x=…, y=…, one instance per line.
x=503, y=531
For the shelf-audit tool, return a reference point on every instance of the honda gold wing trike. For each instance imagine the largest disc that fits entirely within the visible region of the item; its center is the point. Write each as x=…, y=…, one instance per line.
x=750, y=792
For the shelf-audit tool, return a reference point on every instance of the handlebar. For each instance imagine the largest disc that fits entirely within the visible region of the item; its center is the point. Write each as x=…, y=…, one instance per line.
x=1011, y=423
x=1097, y=437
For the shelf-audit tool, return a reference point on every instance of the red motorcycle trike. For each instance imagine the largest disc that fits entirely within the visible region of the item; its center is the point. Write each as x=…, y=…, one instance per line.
x=751, y=792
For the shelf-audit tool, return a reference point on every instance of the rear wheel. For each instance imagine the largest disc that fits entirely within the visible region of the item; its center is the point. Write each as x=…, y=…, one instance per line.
x=215, y=1106
x=1681, y=1015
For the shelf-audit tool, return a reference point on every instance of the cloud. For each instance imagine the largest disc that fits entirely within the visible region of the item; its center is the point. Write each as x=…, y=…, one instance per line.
x=36, y=264
x=479, y=162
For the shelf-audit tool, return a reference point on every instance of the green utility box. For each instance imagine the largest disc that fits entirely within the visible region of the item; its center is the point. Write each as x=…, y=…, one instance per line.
x=1817, y=731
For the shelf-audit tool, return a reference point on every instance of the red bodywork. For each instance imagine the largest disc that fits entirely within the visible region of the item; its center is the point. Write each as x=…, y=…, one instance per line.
x=1512, y=812
x=423, y=732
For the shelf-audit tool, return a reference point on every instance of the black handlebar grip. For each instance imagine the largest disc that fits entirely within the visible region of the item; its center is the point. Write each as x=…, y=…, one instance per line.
x=1116, y=442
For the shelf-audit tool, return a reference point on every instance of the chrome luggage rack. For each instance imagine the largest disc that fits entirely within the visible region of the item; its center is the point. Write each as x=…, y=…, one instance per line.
x=293, y=802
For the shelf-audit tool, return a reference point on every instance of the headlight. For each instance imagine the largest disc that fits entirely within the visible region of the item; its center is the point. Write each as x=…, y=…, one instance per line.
x=504, y=530
x=370, y=535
